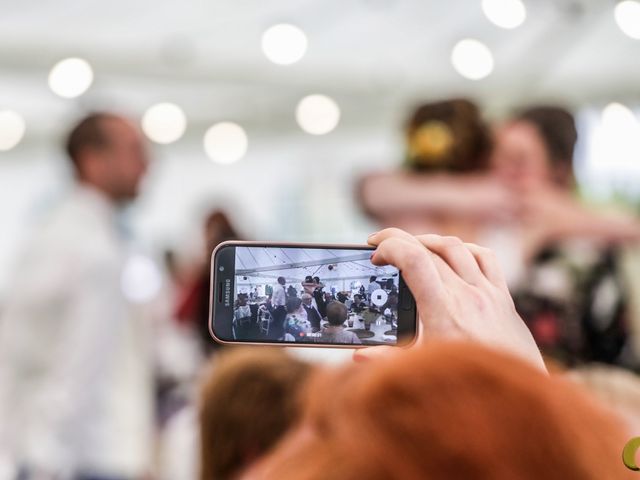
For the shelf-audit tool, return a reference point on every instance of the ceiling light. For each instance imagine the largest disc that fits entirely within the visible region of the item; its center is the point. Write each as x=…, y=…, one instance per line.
x=284, y=44
x=225, y=142
x=317, y=114
x=505, y=13
x=12, y=128
x=627, y=15
x=164, y=123
x=472, y=59
x=71, y=77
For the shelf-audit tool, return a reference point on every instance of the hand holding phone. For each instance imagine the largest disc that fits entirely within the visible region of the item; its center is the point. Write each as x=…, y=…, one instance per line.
x=308, y=295
x=459, y=289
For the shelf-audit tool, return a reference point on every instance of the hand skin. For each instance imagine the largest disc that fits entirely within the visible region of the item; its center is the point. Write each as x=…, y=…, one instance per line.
x=460, y=292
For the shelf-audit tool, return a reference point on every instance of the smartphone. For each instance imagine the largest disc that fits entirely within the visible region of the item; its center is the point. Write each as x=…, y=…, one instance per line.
x=307, y=295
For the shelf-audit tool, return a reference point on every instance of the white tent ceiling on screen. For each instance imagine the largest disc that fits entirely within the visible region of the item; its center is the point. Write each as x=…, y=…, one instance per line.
x=295, y=264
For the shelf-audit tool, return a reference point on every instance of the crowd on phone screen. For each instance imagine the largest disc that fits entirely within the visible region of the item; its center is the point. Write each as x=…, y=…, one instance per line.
x=82, y=388
x=307, y=313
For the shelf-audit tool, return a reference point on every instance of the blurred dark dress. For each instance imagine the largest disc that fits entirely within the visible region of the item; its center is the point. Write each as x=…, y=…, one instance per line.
x=575, y=303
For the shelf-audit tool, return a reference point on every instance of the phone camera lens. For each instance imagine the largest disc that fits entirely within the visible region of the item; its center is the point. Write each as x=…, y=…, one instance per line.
x=221, y=268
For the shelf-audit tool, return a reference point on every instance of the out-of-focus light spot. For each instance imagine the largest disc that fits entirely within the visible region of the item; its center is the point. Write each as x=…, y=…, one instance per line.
x=164, y=123
x=615, y=145
x=627, y=15
x=71, y=77
x=141, y=279
x=505, y=13
x=472, y=59
x=225, y=142
x=284, y=44
x=12, y=128
x=317, y=114
x=617, y=117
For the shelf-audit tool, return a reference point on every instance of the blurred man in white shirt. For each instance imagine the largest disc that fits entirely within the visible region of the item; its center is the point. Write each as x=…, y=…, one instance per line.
x=76, y=385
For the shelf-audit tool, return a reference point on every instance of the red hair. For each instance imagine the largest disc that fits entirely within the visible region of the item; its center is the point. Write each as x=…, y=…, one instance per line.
x=450, y=410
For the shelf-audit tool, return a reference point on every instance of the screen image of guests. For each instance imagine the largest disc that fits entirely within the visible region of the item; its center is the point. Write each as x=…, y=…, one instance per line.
x=313, y=315
x=294, y=307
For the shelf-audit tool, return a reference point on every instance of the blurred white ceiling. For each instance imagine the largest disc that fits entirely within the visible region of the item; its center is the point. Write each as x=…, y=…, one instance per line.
x=375, y=57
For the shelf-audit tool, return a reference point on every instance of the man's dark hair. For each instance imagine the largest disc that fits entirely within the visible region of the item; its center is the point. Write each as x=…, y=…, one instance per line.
x=337, y=313
x=316, y=279
x=282, y=280
x=88, y=133
x=372, y=279
x=357, y=296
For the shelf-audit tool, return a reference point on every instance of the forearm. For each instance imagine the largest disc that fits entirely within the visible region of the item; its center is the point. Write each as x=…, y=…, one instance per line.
x=385, y=195
x=605, y=227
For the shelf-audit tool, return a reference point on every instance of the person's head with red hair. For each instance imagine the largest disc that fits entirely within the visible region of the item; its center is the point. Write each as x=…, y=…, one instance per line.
x=447, y=411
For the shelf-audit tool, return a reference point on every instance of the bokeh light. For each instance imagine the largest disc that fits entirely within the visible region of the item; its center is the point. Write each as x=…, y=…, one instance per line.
x=627, y=15
x=164, y=123
x=317, y=114
x=12, y=128
x=618, y=117
x=505, y=13
x=70, y=77
x=284, y=44
x=472, y=59
x=226, y=142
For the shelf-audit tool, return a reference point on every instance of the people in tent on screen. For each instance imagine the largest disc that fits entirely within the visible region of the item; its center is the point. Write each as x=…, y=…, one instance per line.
x=313, y=315
x=358, y=305
x=328, y=298
x=278, y=302
x=242, y=317
x=342, y=297
x=319, y=297
x=390, y=287
x=309, y=285
x=373, y=286
x=296, y=323
x=335, y=332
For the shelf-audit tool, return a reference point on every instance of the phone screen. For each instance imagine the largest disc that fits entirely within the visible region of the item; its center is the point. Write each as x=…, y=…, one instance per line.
x=308, y=295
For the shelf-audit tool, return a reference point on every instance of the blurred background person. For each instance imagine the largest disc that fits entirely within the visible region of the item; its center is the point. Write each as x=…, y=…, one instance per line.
x=76, y=379
x=193, y=301
x=443, y=187
x=573, y=294
x=250, y=399
x=534, y=154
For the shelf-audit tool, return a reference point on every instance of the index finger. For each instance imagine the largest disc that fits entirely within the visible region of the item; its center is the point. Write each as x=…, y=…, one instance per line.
x=376, y=238
x=416, y=264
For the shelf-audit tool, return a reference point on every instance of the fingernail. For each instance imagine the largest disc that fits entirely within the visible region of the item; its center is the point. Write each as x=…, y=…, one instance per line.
x=373, y=234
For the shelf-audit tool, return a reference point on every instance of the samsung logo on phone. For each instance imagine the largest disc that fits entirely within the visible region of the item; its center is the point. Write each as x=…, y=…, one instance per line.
x=227, y=292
